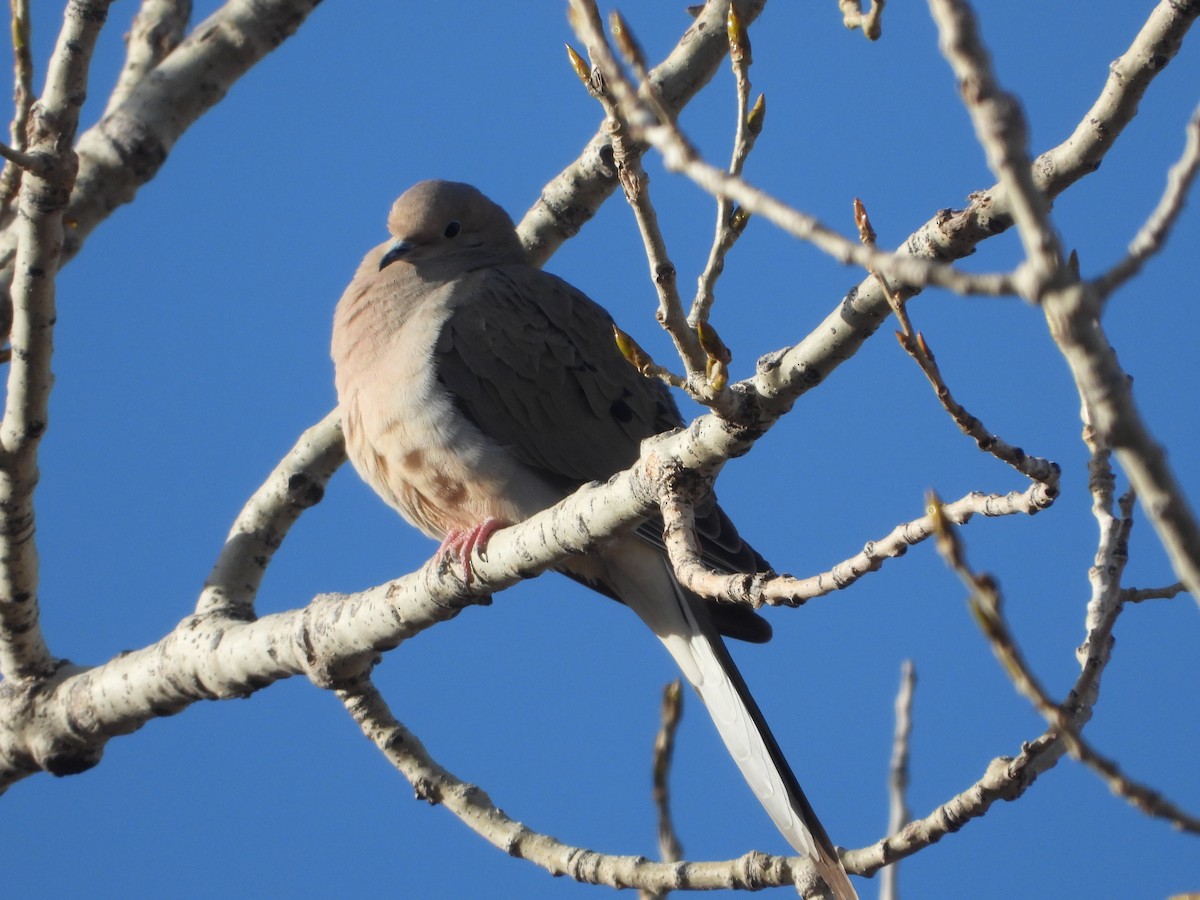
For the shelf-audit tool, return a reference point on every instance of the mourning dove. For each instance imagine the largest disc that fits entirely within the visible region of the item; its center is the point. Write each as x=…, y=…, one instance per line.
x=476, y=389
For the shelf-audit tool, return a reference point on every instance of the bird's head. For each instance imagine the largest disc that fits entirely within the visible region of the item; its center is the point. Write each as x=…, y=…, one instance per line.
x=438, y=224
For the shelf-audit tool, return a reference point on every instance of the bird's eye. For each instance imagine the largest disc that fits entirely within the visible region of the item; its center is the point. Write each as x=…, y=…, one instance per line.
x=453, y=229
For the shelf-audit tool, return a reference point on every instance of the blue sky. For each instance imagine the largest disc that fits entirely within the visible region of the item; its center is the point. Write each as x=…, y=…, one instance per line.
x=193, y=349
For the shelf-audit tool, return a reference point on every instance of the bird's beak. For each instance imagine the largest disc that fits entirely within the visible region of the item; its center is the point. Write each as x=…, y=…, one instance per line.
x=396, y=251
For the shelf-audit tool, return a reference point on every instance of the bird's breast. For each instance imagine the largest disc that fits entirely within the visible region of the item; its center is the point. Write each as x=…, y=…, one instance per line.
x=408, y=440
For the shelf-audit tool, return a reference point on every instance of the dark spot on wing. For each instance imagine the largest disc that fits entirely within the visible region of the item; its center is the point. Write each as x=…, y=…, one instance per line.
x=620, y=410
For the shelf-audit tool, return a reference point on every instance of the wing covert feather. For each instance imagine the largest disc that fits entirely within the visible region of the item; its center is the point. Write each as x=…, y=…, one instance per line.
x=532, y=362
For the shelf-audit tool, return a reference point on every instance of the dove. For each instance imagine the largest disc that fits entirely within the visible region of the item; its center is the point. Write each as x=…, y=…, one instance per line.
x=476, y=390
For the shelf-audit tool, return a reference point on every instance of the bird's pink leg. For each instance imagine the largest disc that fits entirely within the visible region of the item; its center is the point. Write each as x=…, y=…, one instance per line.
x=462, y=543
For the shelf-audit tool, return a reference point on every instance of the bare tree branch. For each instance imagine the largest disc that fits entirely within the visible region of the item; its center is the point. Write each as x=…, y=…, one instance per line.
x=679, y=490
x=297, y=483
x=39, y=234
x=748, y=127
x=335, y=640
x=475, y=808
x=10, y=179
x=853, y=17
x=987, y=606
x=26, y=161
x=573, y=196
x=1001, y=131
x=1072, y=314
x=1152, y=236
x=898, y=812
x=680, y=156
x=1072, y=308
x=669, y=848
x=158, y=28
x=1138, y=595
x=950, y=234
x=635, y=185
x=128, y=146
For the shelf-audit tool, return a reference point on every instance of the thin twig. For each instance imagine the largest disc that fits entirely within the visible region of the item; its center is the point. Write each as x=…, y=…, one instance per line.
x=870, y=21
x=1138, y=595
x=766, y=588
x=664, y=748
x=698, y=347
x=10, y=179
x=1152, y=236
x=474, y=807
x=679, y=155
x=572, y=197
x=915, y=345
x=28, y=162
x=635, y=185
x=898, y=812
x=670, y=715
x=731, y=223
x=987, y=606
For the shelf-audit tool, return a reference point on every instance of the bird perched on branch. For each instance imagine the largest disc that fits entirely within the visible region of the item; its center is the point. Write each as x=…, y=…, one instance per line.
x=477, y=390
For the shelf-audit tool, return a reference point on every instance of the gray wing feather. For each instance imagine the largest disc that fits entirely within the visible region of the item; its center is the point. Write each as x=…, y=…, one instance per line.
x=531, y=361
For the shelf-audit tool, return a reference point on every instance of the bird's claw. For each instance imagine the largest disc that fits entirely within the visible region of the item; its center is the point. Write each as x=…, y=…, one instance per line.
x=462, y=543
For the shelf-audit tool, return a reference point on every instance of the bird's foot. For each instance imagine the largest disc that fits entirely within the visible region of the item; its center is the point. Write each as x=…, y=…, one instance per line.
x=463, y=543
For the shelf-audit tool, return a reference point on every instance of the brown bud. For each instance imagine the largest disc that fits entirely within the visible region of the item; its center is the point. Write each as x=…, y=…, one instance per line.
x=630, y=349
x=582, y=69
x=758, y=112
x=739, y=38
x=866, y=233
x=739, y=219
x=711, y=342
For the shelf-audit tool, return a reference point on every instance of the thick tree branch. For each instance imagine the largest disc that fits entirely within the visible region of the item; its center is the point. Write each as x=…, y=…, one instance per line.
x=212, y=656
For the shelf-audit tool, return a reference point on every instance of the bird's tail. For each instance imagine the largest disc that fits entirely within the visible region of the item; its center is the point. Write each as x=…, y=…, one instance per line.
x=682, y=624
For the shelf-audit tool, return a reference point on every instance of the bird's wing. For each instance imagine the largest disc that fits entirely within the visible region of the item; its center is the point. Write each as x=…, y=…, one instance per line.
x=531, y=361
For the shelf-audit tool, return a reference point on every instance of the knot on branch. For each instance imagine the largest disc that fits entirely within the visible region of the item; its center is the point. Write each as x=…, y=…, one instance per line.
x=328, y=663
x=680, y=490
x=27, y=707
